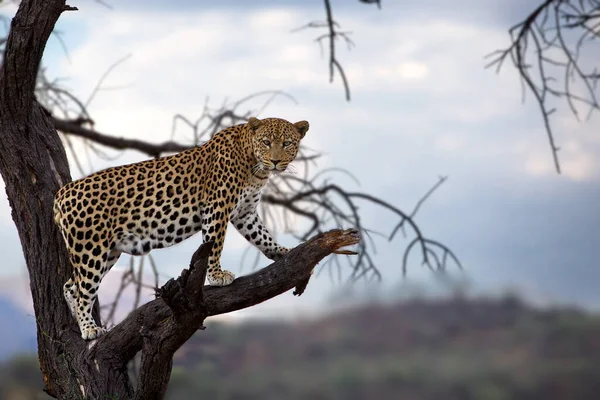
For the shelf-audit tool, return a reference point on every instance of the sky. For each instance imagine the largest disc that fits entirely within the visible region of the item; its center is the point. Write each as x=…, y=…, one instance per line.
x=423, y=105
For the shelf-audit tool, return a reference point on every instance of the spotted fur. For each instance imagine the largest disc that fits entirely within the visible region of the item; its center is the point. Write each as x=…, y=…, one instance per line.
x=157, y=203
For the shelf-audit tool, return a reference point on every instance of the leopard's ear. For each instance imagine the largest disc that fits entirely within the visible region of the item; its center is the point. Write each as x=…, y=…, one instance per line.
x=302, y=127
x=254, y=123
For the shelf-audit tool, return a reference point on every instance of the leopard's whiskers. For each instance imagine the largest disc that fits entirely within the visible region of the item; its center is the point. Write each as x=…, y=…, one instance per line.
x=256, y=168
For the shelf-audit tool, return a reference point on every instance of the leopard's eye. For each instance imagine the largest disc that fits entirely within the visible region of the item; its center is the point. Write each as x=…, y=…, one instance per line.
x=267, y=142
x=286, y=143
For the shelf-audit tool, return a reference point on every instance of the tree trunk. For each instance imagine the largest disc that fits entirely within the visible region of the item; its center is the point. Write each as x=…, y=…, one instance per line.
x=34, y=165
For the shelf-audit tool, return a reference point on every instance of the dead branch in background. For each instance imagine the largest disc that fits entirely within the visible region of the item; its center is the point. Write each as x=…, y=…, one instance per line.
x=334, y=33
x=547, y=51
x=378, y=2
x=76, y=128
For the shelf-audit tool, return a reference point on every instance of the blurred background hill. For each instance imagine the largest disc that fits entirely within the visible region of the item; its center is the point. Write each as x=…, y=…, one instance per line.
x=451, y=348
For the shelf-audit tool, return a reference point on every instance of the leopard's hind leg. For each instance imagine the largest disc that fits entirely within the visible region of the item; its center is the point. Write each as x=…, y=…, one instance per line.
x=86, y=279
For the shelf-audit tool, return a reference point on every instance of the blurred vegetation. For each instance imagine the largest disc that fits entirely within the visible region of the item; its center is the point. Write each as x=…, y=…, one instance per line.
x=484, y=349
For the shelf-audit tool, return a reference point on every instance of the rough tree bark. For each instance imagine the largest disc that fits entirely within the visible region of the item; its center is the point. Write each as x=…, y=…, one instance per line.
x=34, y=165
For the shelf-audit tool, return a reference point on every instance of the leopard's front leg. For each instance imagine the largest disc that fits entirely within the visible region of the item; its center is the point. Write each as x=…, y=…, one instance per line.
x=249, y=225
x=214, y=228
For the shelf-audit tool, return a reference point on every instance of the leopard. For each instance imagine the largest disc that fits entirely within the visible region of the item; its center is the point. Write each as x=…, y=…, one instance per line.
x=160, y=202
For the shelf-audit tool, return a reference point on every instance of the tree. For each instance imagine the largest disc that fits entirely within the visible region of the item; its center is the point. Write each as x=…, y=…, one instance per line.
x=33, y=164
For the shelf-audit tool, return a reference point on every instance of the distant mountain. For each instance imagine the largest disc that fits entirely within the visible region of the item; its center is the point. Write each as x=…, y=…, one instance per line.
x=450, y=349
x=18, y=334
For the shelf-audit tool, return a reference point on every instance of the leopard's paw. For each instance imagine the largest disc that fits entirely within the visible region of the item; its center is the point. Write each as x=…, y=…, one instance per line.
x=92, y=332
x=220, y=278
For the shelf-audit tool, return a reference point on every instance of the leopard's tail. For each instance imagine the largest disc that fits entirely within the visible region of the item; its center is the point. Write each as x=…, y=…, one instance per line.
x=57, y=213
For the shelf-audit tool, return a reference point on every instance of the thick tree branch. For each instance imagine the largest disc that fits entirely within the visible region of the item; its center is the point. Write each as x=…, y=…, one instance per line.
x=185, y=297
x=245, y=291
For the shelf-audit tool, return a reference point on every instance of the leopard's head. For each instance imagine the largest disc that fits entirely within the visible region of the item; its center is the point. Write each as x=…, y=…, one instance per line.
x=275, y=142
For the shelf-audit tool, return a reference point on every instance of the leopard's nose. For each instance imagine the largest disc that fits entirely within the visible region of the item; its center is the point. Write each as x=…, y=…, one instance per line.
x=275, y=162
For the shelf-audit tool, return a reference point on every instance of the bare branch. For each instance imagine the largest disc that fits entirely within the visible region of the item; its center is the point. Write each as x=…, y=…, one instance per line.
x=378, y=2
x=542, y=48
x=75, y=128
x=333, y=33
x=333, y=62
x=98, y=86
x=420, y=202
x=321, y=197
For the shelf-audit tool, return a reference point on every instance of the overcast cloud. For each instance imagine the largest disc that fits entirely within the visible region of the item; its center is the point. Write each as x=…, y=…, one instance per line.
x=423, y=106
